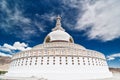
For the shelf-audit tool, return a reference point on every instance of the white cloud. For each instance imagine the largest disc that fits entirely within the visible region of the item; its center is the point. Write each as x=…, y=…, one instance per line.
x=7, y=46
x=17, y=46
x=100, y=19
x=21, y=46
x=113, y=56
x=4, y=49
x=8, y=49
x=6, y=55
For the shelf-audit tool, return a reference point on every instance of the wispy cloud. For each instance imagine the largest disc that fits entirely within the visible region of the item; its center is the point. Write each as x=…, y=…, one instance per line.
x=100, y=19
x=12, y=16
x=14, y=21
x=73, y=3
x=18, y=16
x=113, y=56
x=48, y=16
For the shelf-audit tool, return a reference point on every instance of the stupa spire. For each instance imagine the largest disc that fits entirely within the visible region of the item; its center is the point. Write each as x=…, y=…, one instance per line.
x=58, y=24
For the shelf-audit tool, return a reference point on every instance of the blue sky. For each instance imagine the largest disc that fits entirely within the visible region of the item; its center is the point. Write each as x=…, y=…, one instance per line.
x=95, y=24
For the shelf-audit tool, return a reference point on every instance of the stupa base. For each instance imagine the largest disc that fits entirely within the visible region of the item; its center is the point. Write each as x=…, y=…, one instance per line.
x=57, y=76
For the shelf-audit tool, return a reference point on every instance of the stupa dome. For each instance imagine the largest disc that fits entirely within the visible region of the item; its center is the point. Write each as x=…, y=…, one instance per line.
x=58, y=34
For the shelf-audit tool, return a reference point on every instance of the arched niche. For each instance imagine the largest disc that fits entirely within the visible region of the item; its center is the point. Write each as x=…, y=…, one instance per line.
x=71, y=40
x=47, y=39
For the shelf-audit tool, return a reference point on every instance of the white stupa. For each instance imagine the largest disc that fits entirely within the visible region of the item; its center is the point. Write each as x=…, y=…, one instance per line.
x=59, y=58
